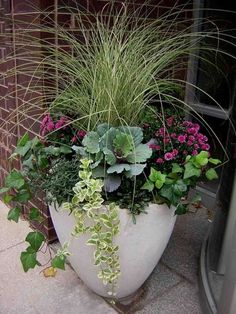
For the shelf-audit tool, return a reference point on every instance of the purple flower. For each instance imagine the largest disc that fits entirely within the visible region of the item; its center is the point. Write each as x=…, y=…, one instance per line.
x=173, y=135
x=182, y=138
x=196, y=146
x=168, y=156
x=194, y=152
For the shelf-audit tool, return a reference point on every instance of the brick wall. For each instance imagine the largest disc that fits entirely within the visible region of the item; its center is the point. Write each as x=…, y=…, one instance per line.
x=15, y=17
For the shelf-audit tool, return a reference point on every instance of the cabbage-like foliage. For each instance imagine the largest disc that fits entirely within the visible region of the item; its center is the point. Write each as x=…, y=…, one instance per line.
x=115, y=152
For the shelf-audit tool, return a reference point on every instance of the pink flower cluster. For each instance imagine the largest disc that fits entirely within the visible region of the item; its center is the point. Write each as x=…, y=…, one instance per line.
x=48, y=125
x=79, y=136
x=175, y=140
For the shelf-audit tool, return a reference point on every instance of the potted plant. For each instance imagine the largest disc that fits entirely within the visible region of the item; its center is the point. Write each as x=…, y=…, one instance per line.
x=114, y=193
x=115, y=165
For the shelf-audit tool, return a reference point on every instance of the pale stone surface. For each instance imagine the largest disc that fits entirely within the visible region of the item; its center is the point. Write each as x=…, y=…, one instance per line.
x=141, y=246
x=10, y=233
x=32, y=293
x=181, y=299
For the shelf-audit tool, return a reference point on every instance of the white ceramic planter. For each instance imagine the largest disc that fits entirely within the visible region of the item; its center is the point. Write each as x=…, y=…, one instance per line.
x=141, y=245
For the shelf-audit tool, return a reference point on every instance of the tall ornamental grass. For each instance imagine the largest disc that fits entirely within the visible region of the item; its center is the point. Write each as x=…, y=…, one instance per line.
x=119, y=65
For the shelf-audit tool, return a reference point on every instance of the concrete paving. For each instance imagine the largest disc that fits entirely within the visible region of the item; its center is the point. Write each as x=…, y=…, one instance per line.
x=172, y=288
x=32, y=293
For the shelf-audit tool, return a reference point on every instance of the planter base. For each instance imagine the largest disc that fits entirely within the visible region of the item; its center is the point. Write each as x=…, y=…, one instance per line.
x=141, y=245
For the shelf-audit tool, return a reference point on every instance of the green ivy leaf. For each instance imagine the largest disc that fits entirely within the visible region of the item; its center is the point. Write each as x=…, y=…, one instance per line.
x=22, y=141
x=153, y=175
x=14, y=180
x=42, y=161
x=91, y=142
x=14, y=214
x=64, y=149
x=202, y=158
x=214, y=161
x=191, y=171
x=4, y=190
x=211, y=174
x=52, y=151
x=7, y=198
x=160, y=181
x=28, y=259
x=148, y=185
x=35, y=239
x=34, y=214
x=59, y=262
x=168, y=193
x=181, y=209
x=23, y=145
x=29, y=162
x=22, y=196
x=179, y=188
x=157, y=177
x=176, y=168
x=140, y=154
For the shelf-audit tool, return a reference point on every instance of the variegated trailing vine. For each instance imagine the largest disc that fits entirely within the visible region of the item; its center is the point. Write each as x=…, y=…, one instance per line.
x=98, y=220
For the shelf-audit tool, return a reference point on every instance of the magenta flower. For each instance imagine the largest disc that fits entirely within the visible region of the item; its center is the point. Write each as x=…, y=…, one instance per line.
x=170, y=121
x=175, y=152
x=60, y=123
x=189, y=143
x=159, y=161
x=50, y=126
x=192, y=131
x=166, y=140
x=173, y=135
x=74, y=139
x=182, y=138
x=81, y=134
x=187, y=123
x=191, y=138
x=196, y=126
x=185, y=152
x=205, y=147
x=168, y=156
x=194, y=152
x=196, y=146
x=154, y=146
